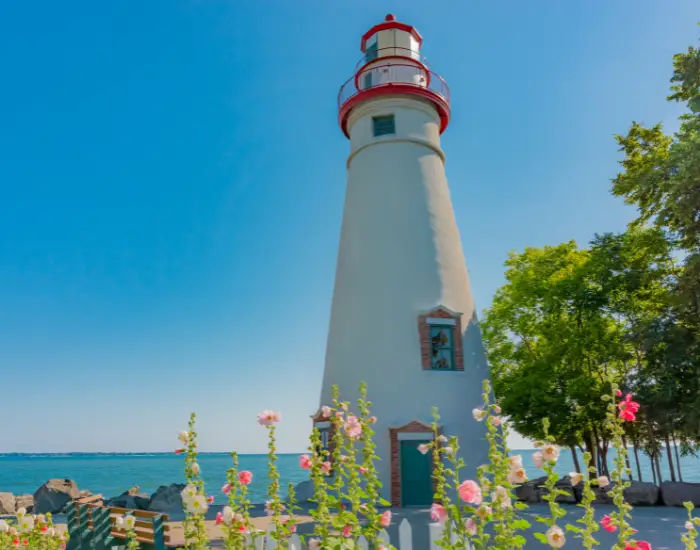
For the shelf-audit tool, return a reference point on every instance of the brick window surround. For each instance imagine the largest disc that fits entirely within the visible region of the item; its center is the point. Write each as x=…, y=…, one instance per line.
x=433, y=317
x=324, y=421
x=414, y=426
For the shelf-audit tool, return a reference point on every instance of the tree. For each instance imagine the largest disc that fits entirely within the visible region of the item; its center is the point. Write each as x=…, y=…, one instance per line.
x=550, y=346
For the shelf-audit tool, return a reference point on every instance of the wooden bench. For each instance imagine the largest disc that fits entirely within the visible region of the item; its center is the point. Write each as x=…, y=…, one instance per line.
x=92, y=525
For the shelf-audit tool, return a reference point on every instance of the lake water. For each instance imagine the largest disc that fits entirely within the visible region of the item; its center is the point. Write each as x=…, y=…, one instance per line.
x=112, y=474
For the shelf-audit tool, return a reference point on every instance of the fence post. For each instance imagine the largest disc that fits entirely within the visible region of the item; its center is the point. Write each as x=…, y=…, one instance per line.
x=158, y=533
x=435, y=530
x=270, y=542
x=100, y=526
x=405, y=535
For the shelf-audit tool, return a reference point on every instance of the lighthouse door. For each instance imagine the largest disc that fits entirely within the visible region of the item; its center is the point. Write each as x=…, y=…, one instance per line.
x=416, y=486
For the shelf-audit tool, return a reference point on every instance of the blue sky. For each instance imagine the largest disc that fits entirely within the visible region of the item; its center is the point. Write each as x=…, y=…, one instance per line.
x=172, y=180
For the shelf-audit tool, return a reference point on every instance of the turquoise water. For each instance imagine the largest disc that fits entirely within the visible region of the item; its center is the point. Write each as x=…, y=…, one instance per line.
x=112, y=474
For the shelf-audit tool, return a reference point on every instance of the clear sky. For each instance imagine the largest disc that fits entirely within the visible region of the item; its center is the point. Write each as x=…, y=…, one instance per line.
x=172, y=181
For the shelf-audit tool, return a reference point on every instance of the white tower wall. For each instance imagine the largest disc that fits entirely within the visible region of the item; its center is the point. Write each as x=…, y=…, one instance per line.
x=400, y=256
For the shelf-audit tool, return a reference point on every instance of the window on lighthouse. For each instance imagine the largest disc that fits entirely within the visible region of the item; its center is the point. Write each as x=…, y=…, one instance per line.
x=383, y=125
x=441, y=347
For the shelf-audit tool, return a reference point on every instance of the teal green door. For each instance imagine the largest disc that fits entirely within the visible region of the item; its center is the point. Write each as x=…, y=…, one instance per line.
x=416, y=483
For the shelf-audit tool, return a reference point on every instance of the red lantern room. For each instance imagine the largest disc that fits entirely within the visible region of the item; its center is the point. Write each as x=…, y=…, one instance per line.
x=392, y=65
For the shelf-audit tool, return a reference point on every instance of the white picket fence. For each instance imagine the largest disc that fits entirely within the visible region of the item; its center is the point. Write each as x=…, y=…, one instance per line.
x=405, y=536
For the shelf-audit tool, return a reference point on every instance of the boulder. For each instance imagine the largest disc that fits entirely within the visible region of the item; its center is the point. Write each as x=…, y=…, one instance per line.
x=24, y=501
x=530, y=490
x=676, y=493
x=602, y=494
x=573, y=494
x=53, y=495
x=7, y=504
x=166, y=499
x=304, y=491
x=85, y=493
x=641, y=493
x=130, y=499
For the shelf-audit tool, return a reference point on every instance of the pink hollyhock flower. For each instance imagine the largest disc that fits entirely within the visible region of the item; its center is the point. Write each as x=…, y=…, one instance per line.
x=268, y=417
x=326, y=411
x=226, y=489
x=305, y=462
x=538, y=459
x=438, y=513
x=363, y=470
x=326, y=467
x=372, y=419
x=628, y=408
x=353, y=427
x=603, y=481
x=607, y=524
x=423, y=448
x=210, y=500
x=241, y=528
x=618, y=393
x=314, y=544
x=219, y=518
x=347, y=531
x=385, y=519
x=637, y=545
x=470, y=492
x=245, y=477
x=179, y=451
x=495, y=420
x=470, y=525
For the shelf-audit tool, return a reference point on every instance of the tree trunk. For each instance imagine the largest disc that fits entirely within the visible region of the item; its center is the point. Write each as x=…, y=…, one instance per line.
x=670, y=458
x=653, y=470
x=627, y=458
x=588, y=442
x=604, y=454
x=577, y=466
x=657, y=460
x=636, y=459
x=678, y=458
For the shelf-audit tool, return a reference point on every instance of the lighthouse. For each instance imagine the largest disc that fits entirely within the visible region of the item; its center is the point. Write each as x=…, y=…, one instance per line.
x=403, y=318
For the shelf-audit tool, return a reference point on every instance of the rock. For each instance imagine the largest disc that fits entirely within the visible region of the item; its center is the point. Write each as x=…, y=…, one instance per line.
x=602, y=495
x=53, y=495
x=7, y=504
x=641, y=493
x=676, y=493
x=304, y=491
x=24, y=501
x=530, y=490
x=130, y=499
x=85, y=493
x=573, y=494
x=166, y=499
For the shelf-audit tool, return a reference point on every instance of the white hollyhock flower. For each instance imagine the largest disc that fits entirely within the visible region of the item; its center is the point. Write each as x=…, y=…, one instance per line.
x=423, y=448
x=198, y=505
x=21, y=512
x=576, y=478
x=550, y=452
x=4, y=526
x=517, y=475
x=603, y=481
x=189, y=492
x=478, y=414
x=50, y=532
x=555, y=537
x=184, y=437
x=129, y=522
x=227, y=514
x=442, y=439
x=538, y=459
x=500, y=497
x=25, y=523
x=196, y=469
x=119, y=522
x=515, y=461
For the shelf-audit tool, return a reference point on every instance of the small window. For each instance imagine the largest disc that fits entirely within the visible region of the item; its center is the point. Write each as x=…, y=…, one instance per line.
x=383, y=125
x=441, y=347
x=371, y=52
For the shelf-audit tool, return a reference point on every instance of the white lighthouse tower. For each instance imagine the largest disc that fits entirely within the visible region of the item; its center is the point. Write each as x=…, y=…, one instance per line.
x=403, y=317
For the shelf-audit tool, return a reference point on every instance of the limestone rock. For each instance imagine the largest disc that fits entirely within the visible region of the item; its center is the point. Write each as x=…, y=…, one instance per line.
x=7, y=504
x=53, y=495
x=24, y=501
x=641, y=493
x=676, y=493
x=130, y=499
x=304, y=491
x=530, y=490
x=167, y=499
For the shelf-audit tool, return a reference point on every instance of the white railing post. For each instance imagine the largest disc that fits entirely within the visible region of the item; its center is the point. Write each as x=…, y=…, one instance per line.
x=435, y=530
x=405, y=535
